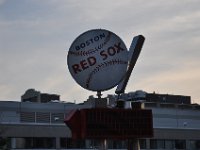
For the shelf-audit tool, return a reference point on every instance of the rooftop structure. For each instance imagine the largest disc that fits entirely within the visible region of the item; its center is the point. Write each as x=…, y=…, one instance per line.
x=31, y=95
x=153, y=97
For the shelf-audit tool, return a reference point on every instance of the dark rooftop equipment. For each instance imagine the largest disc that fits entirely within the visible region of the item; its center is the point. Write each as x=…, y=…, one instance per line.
x=166, y=98
x=31, y=95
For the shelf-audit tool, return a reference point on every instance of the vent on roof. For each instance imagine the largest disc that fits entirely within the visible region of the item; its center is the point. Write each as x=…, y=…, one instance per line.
x=27, y=117
x=42, y=117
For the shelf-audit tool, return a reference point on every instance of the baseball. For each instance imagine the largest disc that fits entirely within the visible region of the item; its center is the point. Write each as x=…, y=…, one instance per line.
x=97, y=60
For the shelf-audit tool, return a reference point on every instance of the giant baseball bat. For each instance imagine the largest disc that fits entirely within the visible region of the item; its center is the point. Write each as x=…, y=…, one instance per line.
x=134, y=52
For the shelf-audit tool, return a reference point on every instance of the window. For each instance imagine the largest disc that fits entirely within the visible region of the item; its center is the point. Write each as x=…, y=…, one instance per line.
x=153, y=144
x=180, y=144
x=142, y=143
x=169, y=144
x=160, y=144
x=35, y=143
x=157, y=144
x=195, y=144
x=70, y=143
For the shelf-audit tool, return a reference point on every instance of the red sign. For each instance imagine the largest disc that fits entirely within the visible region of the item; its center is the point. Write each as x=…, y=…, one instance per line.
x=110, y=123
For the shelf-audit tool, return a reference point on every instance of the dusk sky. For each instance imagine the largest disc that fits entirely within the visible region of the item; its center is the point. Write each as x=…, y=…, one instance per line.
x=35, y=36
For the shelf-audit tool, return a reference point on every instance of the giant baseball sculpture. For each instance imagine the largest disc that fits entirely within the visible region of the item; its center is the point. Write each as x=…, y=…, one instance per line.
x=97, y=60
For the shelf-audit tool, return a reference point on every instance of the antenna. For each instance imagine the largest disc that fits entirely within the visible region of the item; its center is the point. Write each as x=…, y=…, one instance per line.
x=134, y=52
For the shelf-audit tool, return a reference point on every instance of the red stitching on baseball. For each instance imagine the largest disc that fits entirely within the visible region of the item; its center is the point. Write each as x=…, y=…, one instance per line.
x=103, y=65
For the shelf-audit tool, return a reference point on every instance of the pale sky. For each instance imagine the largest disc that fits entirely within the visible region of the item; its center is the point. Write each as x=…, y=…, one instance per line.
x=35, y=36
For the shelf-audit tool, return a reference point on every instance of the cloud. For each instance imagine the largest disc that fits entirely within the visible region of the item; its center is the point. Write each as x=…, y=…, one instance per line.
x=2, y=2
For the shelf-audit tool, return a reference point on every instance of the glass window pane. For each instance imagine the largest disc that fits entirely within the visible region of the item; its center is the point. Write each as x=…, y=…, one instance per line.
x=180, y=144
x=169, y=144
x=153, y=144
x=142, y=143
x=160, y=144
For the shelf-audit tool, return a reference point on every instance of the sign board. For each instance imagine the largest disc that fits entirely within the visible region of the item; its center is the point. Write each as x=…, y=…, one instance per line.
x=97, y=60
x=104, y=123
